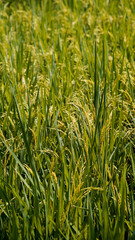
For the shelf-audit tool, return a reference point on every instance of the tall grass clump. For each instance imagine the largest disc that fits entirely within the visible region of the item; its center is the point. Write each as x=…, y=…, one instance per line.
x=67, y=119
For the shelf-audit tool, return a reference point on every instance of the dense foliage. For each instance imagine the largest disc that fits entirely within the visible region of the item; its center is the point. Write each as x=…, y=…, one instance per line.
x=67, y=119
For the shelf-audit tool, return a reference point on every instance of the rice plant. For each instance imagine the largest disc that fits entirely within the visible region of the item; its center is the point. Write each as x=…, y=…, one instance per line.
x=67, y=119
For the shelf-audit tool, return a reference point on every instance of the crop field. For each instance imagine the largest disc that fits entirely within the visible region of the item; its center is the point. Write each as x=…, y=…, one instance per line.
x=67, y=120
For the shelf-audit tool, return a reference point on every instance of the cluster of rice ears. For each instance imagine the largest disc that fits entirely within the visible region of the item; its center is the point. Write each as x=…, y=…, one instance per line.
x=67, y=119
